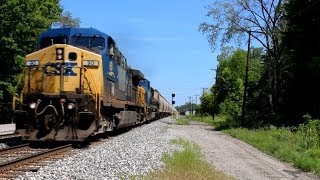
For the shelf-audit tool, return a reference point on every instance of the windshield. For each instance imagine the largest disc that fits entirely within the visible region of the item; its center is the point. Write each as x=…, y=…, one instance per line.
x=48, y=41
x=95, y=44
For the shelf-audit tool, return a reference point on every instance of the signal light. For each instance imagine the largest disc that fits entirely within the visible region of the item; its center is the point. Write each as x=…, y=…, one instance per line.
x=173, y=95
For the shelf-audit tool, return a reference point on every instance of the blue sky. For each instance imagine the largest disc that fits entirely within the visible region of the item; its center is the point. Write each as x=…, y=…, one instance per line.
x=160, y=38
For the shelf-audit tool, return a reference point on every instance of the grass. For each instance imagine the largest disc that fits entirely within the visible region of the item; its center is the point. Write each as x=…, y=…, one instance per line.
x=298, y=146
x=205, y=119
x=283, y=144
x=174, y=116
x=187, y=163
x=218, y=121
x=182, y=121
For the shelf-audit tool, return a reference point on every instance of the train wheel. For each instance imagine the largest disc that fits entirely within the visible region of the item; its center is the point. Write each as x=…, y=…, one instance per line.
x=111, y=124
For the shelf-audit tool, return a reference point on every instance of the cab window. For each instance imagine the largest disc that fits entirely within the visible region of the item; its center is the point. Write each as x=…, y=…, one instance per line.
x=48, y=41
x=115, y=54
x=95, y=44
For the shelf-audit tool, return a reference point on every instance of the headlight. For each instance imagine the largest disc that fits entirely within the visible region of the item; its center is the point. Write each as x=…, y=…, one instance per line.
x=32, y=105
x=90, y=63
x=59, y=53
x=32, y=63
x=71, y=106
x=59, y=56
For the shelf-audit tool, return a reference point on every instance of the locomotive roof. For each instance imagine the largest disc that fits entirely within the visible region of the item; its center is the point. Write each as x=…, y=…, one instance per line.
x=69, y=32
x=137, y=73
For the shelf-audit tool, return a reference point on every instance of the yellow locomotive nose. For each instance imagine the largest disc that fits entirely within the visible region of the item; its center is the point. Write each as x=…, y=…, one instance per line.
x=61, y=68
x=62, y=88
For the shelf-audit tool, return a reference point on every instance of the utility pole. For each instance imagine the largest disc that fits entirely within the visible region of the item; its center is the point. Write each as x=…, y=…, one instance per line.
x=203, y=89
x=196, y=98
x=196, y=101
x=191, y=105
x=246, y=82
x=201, y=106
x=215, y=71
x=190, y=99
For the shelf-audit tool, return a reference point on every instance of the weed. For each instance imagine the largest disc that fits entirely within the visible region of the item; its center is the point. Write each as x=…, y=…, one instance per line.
x=187, y=163
x=182, y=121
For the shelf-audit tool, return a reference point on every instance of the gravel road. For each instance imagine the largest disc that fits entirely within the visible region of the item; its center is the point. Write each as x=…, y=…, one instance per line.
x=237, y=158
x=139, y=152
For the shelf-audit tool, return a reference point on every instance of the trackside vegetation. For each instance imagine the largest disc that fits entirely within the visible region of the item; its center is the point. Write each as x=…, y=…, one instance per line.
x=266, y=95
x=182, y=121
x=186, y=163
x=299, y=146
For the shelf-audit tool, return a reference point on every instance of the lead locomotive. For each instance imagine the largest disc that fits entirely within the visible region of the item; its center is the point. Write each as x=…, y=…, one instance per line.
x=78, y=84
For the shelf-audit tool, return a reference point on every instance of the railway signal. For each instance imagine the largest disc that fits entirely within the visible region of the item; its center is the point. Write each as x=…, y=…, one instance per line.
x=173, y=95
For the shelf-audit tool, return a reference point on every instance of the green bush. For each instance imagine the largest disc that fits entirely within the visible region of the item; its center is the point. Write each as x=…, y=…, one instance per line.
x=232, y=111
x=309, y=134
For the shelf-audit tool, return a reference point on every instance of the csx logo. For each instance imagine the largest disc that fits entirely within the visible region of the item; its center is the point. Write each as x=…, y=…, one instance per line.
x=56, y=68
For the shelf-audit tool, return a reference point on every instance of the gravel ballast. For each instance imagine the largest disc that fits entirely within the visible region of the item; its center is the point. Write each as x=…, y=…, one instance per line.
x=139, y=151
x=2, y=146
x=136, y=152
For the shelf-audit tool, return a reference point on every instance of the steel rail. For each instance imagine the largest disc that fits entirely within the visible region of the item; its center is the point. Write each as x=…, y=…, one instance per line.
x=13, y=147
x=11, y=165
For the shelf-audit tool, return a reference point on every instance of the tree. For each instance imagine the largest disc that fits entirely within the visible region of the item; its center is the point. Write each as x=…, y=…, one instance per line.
x=197, y=108
x=186, y=107
x=263, y=20
x=229, y=88
x=302, y=52
x=206, y=106
x=21, y=22
x=66, y=20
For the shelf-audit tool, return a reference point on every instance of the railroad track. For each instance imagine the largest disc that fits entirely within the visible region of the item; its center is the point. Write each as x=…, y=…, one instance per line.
x=17, y=160
x=11, y=139
x=9, y=136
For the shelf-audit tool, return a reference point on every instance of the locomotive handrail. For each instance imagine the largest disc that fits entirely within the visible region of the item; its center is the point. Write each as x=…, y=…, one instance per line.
x=94, y=85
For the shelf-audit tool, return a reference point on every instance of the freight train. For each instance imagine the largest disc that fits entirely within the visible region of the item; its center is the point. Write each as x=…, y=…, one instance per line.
x=78, y=84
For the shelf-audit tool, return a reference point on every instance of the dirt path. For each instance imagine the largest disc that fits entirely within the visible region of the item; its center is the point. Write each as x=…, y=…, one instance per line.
x=235, y=157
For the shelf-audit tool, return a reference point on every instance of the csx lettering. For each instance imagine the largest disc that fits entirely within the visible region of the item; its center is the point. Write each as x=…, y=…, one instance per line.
x=55, y=68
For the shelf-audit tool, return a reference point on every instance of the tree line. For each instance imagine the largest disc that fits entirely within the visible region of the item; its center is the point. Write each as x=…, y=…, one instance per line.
x=282, y=73
x=20, y=24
